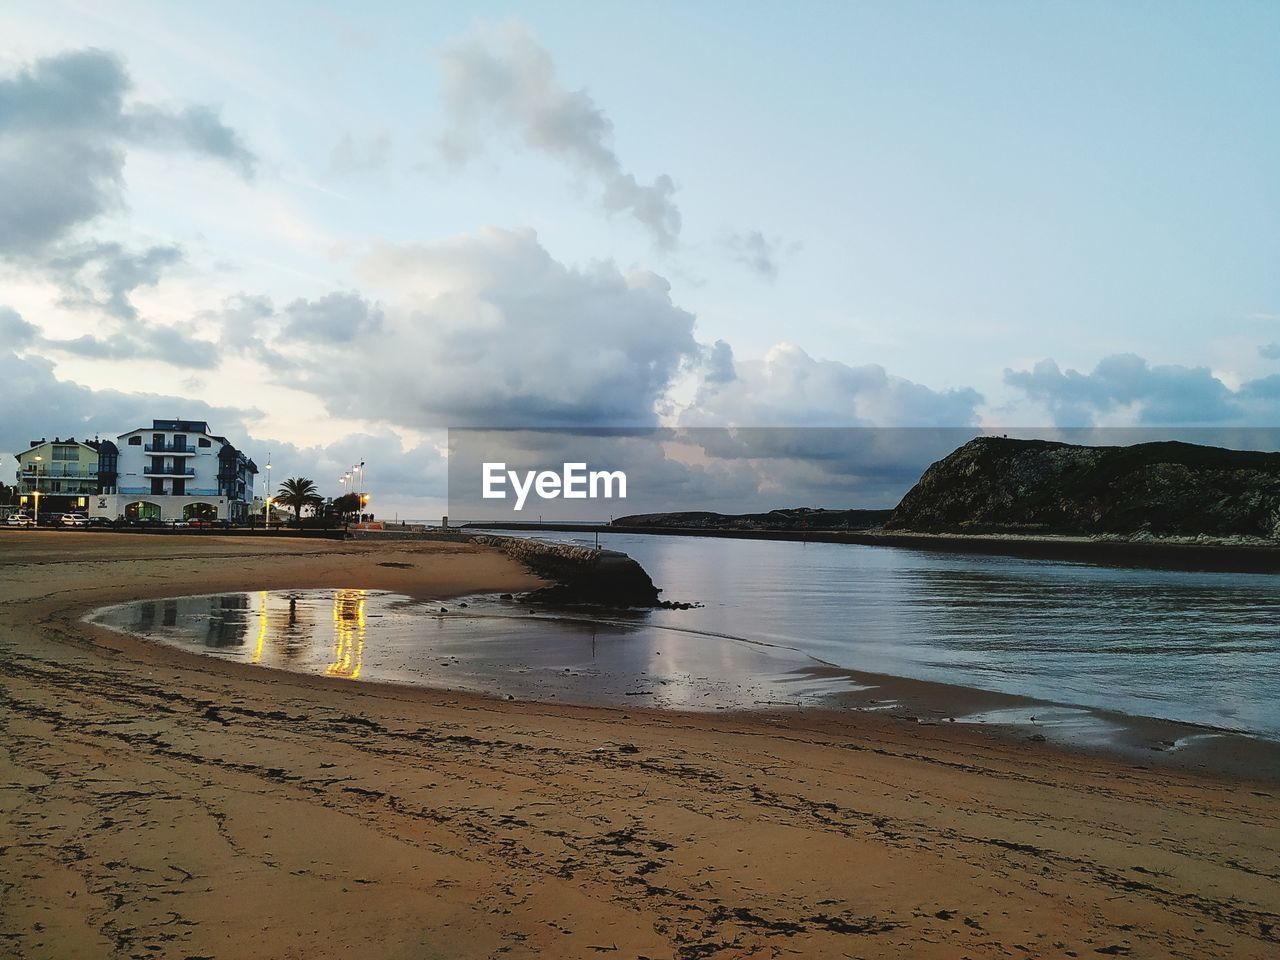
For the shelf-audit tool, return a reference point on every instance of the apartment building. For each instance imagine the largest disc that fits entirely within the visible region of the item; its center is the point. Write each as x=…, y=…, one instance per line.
x=63, y=476
x=178, y=469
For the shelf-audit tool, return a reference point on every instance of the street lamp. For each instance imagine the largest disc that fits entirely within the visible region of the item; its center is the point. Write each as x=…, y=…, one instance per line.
x=268, y=523
x=36, y=519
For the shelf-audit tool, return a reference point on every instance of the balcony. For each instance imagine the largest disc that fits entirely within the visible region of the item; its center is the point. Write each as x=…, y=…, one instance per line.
x=59, y=471
x=168, y=471
x=169, y=448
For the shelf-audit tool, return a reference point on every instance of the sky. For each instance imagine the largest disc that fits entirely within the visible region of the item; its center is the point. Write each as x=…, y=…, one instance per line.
x=337, y=230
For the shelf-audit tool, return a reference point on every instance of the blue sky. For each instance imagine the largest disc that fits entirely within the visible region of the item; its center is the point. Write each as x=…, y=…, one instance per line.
x=989, y=203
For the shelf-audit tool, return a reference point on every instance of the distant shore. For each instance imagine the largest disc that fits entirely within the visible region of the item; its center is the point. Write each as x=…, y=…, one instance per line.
x=1171, y=553
x=159, y=802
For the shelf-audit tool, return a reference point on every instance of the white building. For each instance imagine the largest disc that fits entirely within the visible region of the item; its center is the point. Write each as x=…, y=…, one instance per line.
x=177, y=469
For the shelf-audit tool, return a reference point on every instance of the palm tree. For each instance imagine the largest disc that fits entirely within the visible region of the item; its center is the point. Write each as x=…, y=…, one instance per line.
x=296, y=493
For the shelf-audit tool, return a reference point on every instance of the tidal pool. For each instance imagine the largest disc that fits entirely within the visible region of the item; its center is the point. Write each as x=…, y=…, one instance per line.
x=480, y=644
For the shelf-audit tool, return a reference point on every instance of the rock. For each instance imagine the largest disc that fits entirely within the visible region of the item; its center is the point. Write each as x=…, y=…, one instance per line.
x=581, y=575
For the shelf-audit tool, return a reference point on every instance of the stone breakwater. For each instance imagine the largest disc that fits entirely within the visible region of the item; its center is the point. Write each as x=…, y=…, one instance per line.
x=579, y=574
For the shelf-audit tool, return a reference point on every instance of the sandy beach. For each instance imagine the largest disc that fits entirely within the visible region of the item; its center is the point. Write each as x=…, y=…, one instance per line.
x=158, y=804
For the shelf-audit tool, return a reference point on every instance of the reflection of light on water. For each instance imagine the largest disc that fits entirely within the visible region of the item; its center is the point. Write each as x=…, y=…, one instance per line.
x=262, y=625
x=348, y=634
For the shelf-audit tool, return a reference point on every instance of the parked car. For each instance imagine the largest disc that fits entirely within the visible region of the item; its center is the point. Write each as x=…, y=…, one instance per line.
x=141, y=524
x=20, y=520
x=175, y=522
x=202, y=523
x=73, y=520
x=101, y=523
x=49, y=520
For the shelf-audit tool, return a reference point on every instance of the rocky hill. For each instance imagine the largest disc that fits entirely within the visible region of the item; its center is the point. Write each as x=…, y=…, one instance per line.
x=999, y=485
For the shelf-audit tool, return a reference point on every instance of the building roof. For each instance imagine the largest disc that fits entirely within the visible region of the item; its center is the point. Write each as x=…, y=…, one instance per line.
x=32, y=444
x=181, y=426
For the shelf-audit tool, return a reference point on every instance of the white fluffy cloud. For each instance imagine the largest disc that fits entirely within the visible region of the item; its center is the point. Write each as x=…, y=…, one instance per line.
x=792, y=389
x=489, y=329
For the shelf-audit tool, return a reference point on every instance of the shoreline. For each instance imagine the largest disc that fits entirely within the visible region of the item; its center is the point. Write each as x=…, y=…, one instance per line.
x=157, y=801
x=1162, y=742
x=1169, y=554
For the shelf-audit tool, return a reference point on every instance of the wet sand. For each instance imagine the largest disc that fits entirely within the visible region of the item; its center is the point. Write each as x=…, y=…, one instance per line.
x=153, y=803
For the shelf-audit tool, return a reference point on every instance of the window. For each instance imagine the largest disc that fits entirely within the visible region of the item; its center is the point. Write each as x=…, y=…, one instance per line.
x=135, y=441
x=204, y=442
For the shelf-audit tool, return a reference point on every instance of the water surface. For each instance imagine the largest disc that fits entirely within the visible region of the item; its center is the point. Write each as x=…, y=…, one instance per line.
x=1200, y=648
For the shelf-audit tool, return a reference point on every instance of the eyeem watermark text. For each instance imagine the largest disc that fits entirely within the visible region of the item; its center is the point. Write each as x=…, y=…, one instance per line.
x=574, y=482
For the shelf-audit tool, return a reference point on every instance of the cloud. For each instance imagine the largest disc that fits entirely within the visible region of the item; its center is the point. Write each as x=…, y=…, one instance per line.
x=333, y=319
x=15, y=332
x=1270, y=351
x=65, y=128
x=489, y=329
x=1127, y=389
x=351, y=157
x=1127, y=384
x=790, y=388
x=103, y=275
x=196, y=128
x=503, y=79
x=174, y=345
x=177, y=344
x=717, y=365
x=245, y=322
x=1267, y=388
x=758, y=253
x=393, y=471
x=39, y=404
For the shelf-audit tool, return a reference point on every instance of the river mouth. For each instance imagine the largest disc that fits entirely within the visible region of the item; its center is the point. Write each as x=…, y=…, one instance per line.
x=506, y=649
